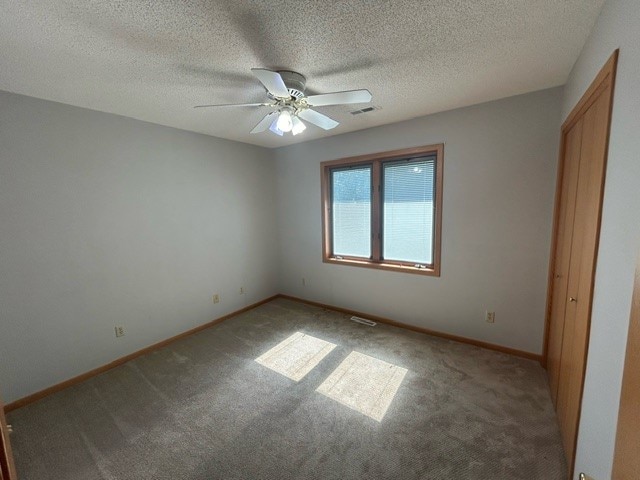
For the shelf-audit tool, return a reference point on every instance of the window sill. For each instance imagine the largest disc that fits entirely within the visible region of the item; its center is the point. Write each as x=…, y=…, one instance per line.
x=394, y=267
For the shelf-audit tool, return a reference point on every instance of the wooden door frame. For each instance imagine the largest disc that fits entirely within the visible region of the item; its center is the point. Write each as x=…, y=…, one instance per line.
x=625, y=458
x=605, y=80
x=7, y=467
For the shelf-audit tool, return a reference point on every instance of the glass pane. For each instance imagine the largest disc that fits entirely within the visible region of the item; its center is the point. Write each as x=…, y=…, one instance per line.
x=351, y=207
x=408, y=210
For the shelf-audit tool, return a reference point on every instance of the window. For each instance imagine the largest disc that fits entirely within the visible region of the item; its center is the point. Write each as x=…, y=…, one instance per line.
x=384, y=210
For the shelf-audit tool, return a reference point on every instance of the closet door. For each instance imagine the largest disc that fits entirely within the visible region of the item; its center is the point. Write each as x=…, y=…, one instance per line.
x=567, y=208
x=582, y=269
x=572, y=273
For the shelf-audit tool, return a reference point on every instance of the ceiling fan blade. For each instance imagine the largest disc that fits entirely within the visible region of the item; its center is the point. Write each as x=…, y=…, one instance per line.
x=265, y=123
x=234, y=105
x=318, y=119
x=272, y=81
x=340, y=98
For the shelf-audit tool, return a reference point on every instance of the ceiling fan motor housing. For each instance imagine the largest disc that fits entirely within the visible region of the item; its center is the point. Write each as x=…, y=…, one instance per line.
x=294, y=81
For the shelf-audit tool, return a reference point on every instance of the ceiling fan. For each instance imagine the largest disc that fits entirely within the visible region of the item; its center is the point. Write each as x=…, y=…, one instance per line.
x=290, y=105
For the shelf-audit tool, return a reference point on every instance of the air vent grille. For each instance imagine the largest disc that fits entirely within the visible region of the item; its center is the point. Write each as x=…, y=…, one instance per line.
x=364, y=110
x=363, y=321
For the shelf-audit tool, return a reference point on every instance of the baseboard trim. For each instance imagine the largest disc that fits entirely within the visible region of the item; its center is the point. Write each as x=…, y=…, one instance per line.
x=34, y=397
x=435, y=333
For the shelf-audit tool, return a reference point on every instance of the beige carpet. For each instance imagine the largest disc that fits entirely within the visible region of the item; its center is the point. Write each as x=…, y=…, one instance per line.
x=364, y=384
x=289, y=391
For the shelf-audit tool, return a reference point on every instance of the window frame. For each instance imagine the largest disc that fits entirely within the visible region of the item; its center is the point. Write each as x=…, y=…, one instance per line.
x=376, y=161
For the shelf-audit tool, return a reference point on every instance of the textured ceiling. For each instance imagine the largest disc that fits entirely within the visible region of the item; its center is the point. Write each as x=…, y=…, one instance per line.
x=155, y=59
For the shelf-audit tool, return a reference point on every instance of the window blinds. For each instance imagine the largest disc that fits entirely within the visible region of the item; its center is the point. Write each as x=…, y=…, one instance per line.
x=351, y=211
x=408, y=210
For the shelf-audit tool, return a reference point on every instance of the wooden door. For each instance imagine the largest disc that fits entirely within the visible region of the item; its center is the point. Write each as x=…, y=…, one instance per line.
x=569, y=187
x=576, y=232
x=7, y=468
x=626, y=461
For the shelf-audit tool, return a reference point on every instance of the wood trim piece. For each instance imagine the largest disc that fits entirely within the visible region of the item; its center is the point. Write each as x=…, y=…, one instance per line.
x=376, y=212
x=406, y=326
x=394, y=267
x=626, y=461
x=390, y=155
x=437, y=247
x=376, y=160
x=604, y=79
x=326, y=215
x=116, y=363
x=7, y=466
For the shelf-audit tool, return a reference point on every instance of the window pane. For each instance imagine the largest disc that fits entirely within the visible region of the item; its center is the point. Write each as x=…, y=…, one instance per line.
x=351, y=208
x=408, y=210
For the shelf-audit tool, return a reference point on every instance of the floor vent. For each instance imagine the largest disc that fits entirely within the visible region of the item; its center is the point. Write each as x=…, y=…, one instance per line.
x=363, y=321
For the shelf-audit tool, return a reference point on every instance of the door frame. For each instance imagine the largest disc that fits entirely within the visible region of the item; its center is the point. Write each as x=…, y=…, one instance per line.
x=605, y=80
x=625, y=456
x=7, y=467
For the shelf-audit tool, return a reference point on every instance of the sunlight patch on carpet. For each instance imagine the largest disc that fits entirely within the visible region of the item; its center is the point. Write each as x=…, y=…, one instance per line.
x=296, y=356
x=364, y=384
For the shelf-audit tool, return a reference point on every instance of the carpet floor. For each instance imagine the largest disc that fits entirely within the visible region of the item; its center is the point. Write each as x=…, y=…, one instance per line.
x=327, y=399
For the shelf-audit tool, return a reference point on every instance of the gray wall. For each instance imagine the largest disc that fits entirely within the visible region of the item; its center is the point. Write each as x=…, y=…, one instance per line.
x=110, y=221
x=499, y=182
x=617, y=27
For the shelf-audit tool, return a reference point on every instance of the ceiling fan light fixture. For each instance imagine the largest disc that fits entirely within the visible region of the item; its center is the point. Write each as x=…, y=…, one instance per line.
x=274, y=128
x=285, y=121
x=298, y=126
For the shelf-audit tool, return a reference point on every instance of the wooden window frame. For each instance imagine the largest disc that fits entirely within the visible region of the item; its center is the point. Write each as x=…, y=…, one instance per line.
x=376, y=160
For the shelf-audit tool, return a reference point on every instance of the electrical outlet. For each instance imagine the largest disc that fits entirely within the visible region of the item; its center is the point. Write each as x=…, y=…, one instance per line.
x=216, y=298
x=242, y=291
x=490, y=317
x=120, y=331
